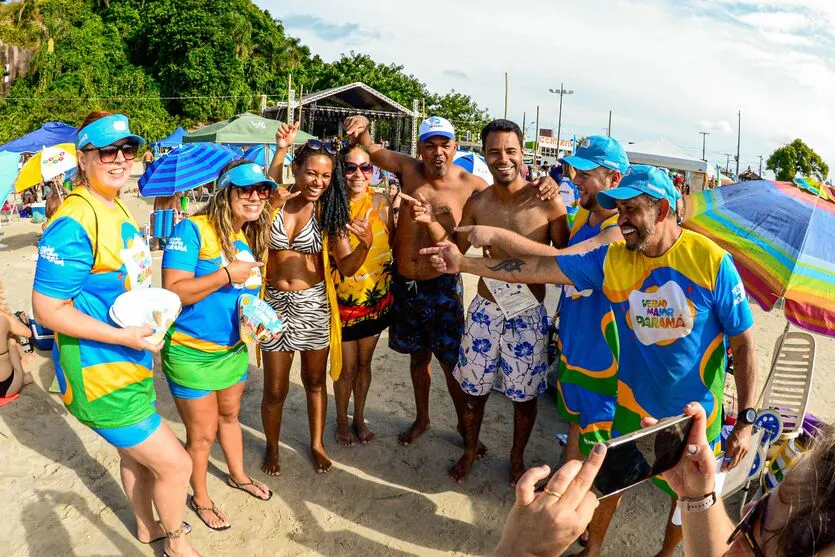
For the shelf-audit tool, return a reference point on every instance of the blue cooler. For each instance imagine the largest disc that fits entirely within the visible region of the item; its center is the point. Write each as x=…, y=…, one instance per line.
x=42, y=337
x=39, y=209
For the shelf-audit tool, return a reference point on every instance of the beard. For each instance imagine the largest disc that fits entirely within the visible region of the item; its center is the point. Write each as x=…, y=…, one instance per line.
x=643, y=234
x=590, y=204
x=438, y=171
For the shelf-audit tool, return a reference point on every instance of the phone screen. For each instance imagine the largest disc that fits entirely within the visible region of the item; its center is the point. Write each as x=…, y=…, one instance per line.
x=638, y=456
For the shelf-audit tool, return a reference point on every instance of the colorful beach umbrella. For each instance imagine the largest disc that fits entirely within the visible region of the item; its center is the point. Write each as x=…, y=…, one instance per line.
x=474, y=164
x=783, y=243
x=185, y=168
x=45, y=165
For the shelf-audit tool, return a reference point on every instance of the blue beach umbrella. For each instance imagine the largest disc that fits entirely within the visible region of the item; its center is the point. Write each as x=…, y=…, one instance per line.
x=185, y=168
x=8, y=173
x=474, y=164
x=256, y=154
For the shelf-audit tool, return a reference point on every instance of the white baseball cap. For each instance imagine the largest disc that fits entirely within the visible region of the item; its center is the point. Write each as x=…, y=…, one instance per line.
x=435, y=125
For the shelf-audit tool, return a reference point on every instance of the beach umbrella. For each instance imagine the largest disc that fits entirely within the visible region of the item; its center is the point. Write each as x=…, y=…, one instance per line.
x=474, y=164
x=45, y=165
x=782, y=239
x=185, y=168
x=51, y=133
x=8, y=172
x=257, y=154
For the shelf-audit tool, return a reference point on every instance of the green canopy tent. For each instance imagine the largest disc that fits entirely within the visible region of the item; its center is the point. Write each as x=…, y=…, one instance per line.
x=243, y=129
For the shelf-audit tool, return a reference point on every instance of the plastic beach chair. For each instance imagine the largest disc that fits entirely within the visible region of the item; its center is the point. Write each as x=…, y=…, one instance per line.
x=790, y=380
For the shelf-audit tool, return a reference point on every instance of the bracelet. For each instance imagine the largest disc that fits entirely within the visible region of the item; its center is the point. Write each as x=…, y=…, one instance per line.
x=229, y=276
x=699, y=504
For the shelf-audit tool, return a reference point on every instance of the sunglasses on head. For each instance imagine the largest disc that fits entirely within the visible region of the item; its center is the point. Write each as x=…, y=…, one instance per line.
x=365, y=167
x=316, y=145
x=110, y=152
x=262, y=190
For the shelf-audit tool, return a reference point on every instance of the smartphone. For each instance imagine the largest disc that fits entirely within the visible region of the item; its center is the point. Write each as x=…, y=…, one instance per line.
x=638, y=456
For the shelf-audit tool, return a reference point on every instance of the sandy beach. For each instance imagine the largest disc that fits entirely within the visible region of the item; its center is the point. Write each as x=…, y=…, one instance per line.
x=61, y=480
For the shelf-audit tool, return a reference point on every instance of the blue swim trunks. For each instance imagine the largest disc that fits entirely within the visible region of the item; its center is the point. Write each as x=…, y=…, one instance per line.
x=428, y=314
x=130, y=435
x=188, y=393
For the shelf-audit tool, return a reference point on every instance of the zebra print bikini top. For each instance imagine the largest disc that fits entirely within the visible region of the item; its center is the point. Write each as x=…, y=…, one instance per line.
x=308, y=240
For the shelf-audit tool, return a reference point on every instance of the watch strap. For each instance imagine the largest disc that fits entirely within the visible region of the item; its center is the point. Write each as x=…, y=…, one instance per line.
x=741, y=415
x=698, y=504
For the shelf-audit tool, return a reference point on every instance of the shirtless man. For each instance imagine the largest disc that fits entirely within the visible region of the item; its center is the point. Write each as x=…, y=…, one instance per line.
x=428, y=312
x=504, y=343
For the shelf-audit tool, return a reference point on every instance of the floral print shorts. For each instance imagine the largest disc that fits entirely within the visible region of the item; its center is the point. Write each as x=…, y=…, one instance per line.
x=507, y=354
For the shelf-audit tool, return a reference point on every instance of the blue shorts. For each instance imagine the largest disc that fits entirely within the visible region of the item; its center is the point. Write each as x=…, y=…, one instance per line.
x=187, y=393
x=129, y=436
x=427, y=315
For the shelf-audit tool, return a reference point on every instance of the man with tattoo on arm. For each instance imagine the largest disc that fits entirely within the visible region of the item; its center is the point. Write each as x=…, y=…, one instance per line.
x=428, y=315
x=504, y=339
x=676, y=296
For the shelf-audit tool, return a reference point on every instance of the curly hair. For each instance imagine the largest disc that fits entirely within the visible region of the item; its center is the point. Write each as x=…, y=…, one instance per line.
x=332, y=208
x=219, y=213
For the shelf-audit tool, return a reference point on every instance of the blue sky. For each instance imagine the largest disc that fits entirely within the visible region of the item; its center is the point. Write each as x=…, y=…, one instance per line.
x=667, y=69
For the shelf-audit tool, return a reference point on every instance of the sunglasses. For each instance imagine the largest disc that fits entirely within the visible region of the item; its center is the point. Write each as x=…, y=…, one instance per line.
x=746, y=525
x=365, y=167
x=316, y=145
x=110, y=152
x=245, y=192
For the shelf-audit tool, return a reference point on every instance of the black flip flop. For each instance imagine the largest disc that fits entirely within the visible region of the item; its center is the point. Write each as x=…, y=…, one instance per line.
x=198, y=509
x=242, y=486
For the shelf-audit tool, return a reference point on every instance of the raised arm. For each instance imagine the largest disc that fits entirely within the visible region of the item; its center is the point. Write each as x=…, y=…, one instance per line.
x=284, y=138
x=356, y=127
x=446, y=258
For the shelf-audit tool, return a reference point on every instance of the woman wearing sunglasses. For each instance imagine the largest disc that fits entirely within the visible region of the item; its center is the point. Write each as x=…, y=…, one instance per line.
x=313, y=225
x=91, y=252
x=797, y=519
x=364, y=299
x=211, y=259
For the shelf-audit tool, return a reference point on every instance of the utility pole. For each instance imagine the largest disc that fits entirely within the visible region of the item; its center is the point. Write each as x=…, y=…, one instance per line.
x=738, y=137
x=561, y=91
x=505, y=95
x=536, y=140
x=704, y=135
x=760, y=173
x=524, y=129
x=609, y=128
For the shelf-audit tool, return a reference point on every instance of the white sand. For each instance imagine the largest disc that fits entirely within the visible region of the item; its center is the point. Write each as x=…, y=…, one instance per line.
x=62, y=481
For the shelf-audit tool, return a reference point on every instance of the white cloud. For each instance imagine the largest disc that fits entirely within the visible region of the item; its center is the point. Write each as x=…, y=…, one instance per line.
x=665, y=68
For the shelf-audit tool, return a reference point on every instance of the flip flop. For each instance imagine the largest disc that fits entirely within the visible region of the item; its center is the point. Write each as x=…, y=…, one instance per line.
x=8, y=399
x=198, y=509
x=244, y=485
x=186, y=530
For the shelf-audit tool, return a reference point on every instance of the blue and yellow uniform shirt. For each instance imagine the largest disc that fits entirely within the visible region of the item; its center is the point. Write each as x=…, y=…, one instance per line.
x=199, y=346
x=588, y=345
x=673, y=313
x=91, y=253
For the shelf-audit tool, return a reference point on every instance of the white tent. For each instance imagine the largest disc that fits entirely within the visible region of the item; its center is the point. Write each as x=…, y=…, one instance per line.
x=661, y=153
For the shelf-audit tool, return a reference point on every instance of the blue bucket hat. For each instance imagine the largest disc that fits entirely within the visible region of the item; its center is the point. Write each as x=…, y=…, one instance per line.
x=106, y=131
x=640, y=178
x=245, y=175
x=598, y=150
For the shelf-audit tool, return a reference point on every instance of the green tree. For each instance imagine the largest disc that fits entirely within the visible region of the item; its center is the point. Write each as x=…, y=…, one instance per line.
x=797, y=158
x=461, y=111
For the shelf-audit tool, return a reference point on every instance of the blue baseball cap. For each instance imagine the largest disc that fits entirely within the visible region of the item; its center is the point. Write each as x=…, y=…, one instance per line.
x=106, y=131
x=435, y=125
x=598, y=150
x=245, y=175
x=640, y=178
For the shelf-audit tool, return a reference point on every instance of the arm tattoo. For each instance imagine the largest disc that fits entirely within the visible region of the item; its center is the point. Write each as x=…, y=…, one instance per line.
x=509, y=265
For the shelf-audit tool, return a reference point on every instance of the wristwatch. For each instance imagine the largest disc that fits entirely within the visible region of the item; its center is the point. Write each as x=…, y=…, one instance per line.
x=747, y=416
x=698, y=504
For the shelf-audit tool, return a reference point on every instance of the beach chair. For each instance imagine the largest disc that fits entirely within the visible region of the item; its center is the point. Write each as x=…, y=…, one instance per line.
x=790, y=380
x=10, y=210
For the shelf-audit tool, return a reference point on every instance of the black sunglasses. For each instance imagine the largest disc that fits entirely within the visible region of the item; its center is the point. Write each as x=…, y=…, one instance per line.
x=365, y=167
x=316, y=145
x=245, y=192
x=109, y=153
x=755, y=514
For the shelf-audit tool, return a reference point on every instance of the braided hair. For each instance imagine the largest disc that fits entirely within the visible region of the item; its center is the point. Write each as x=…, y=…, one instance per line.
x=332, y=207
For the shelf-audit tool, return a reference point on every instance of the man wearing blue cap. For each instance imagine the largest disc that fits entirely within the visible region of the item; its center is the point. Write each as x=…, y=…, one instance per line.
x=428, y=311
x=676, y=297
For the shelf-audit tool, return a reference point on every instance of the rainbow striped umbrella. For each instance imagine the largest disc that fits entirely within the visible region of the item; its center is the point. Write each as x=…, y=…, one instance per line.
x=782, y=239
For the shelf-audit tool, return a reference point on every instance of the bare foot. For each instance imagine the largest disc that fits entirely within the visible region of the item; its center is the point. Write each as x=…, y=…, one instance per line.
x=149, y=535
x=366, y=436
x=517, y=468
x=411, y=435
x=344, y=436
x=270, y=466
x=321, y=462
x=459, y=472
x=211, y=516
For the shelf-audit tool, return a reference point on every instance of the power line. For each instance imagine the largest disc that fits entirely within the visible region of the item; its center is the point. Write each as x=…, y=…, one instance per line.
x=63, y=99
